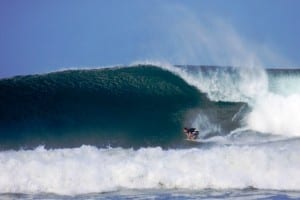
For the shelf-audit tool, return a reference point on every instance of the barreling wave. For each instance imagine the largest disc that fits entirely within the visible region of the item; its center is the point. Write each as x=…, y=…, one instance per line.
x=145, y=105
x=102, y=112
x=129, y=106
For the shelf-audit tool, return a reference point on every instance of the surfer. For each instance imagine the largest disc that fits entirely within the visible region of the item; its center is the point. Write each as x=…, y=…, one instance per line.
x=191, y=133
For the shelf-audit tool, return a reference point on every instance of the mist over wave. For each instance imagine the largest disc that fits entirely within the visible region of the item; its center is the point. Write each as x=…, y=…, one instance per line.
x=227, y=84
x=90, y=131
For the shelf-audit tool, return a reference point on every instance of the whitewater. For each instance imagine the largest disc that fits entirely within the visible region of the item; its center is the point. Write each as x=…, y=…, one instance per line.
x=91, y=170
x=248, y=120
x=274, y=99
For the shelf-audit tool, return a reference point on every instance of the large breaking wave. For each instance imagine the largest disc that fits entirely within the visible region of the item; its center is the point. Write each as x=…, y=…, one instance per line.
x=129, y=107
x=86, y=131
x=146, y=105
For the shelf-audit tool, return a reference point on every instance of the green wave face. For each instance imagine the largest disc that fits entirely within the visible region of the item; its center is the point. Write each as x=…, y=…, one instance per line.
x=129, y=106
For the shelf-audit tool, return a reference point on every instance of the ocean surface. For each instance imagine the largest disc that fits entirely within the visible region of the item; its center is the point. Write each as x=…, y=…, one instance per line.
x=116, y=133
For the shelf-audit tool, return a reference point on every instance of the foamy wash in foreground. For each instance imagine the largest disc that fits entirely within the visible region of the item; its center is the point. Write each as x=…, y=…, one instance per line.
x=89, y=170
x=129, y=121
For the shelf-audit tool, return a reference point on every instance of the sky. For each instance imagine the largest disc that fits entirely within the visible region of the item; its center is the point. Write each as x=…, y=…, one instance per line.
x=44, y=36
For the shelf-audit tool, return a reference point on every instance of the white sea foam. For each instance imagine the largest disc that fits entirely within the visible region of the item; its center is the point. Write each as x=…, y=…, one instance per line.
x=205, y=126
x=276, y=114
x=88, y=169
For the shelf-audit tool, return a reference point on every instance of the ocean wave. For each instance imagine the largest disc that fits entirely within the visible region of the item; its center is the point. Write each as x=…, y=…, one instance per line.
x=145, y=105
x=135, y=106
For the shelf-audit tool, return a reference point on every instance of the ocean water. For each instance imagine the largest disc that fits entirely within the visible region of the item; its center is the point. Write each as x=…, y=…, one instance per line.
x=116, y=133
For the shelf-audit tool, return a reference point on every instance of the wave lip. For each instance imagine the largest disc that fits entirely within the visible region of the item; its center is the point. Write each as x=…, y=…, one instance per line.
x=88, y=169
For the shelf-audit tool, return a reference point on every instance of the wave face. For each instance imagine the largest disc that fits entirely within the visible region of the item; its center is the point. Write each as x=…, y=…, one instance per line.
x=133, y=106
x=145, y=105
x=129, y=107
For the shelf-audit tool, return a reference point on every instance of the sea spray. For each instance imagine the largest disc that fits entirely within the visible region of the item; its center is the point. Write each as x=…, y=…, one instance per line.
x=230, y=84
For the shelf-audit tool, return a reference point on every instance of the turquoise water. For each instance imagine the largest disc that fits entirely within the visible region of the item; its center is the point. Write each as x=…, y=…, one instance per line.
x=128, y=107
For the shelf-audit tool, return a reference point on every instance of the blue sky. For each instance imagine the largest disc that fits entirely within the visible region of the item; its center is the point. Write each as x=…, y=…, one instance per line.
x=42, y=36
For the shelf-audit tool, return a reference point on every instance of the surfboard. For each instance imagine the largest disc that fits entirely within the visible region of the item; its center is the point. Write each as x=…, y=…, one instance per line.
x=191, y=140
